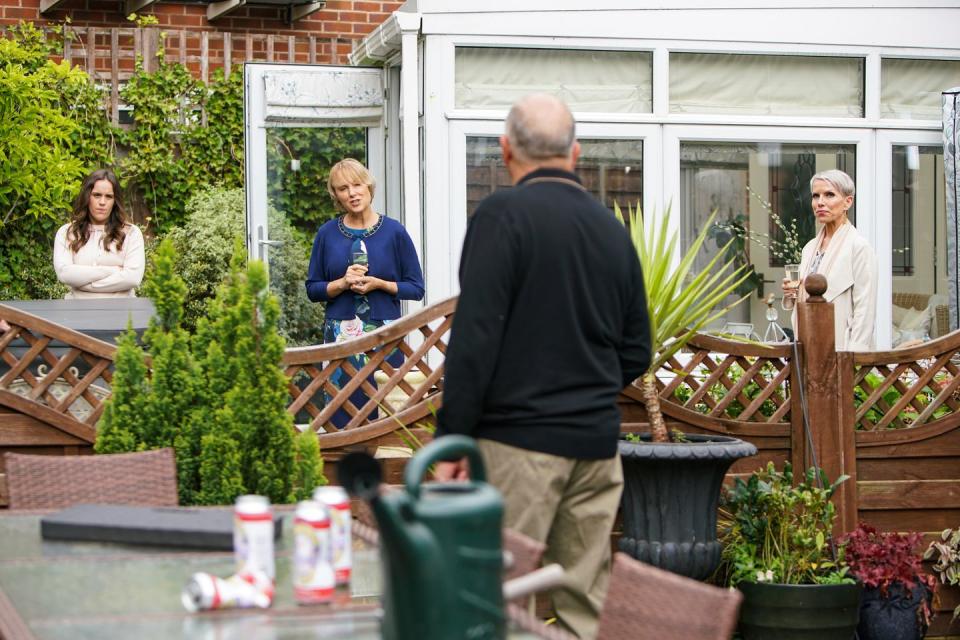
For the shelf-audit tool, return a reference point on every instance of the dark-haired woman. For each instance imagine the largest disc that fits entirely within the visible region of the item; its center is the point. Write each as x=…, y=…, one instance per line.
x=99, y=253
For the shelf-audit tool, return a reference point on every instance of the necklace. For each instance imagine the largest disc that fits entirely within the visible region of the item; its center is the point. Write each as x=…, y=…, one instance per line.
x=353, y=233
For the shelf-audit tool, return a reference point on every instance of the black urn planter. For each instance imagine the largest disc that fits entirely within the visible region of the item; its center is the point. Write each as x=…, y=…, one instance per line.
x=773, y=611
x=895, y=617
x=669, y=504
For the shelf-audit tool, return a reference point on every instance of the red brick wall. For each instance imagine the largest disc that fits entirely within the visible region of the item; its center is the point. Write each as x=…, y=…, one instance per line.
x=334, y=28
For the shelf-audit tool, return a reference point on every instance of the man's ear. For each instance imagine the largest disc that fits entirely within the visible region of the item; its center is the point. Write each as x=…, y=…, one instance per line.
x=575, y=153
x=506, y=150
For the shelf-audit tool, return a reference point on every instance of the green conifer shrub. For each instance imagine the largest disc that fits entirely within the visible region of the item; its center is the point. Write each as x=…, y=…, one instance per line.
x=174, y=378
x=308, y=464
x=118, y=429
x=218, y=397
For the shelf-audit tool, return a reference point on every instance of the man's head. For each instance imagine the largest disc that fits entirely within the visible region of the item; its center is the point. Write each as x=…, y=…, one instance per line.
x=540, y=133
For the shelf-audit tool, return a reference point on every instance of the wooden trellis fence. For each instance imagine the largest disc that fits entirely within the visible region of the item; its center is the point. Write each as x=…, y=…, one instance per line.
x=889, y=420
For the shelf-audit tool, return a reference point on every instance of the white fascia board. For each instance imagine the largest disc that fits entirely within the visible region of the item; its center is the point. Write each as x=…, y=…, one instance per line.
x=513, y=6
x=384, y=42
x=933, y=27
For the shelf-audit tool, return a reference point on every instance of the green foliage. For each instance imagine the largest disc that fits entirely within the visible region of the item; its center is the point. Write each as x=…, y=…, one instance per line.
x=254, y=405
x=307, y=465
x=214, y=221
x=117, y=431
x=780, y=532
x=679, y=301
x=52, y=130
x=945, y=554
x=162, y=104
x=173, y=379
x=302, y=194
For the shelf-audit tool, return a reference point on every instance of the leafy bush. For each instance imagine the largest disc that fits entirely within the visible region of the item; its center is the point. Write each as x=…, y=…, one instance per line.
x=203, y=245
x=945, y=553
x=52, y=131
x=780, y=532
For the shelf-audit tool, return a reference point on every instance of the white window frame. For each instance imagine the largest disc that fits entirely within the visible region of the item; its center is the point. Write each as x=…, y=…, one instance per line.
x=883, y=242
x=864, y=141
x=444, y=257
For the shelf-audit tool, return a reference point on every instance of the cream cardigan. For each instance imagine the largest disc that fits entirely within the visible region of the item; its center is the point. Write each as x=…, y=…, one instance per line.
x=95, y=272
x=850, y=266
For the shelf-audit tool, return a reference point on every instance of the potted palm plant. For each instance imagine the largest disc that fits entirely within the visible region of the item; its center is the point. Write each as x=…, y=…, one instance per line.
x=897, y=593
x=671, y=487
x=778, y=552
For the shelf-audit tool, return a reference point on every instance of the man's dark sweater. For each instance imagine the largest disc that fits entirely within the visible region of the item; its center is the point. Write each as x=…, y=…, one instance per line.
x=551, y=323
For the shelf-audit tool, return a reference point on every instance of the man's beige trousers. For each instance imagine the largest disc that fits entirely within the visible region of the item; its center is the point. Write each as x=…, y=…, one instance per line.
x=570, y=505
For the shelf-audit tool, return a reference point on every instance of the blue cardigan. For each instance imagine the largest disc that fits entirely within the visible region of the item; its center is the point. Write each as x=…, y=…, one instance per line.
x=391, y=256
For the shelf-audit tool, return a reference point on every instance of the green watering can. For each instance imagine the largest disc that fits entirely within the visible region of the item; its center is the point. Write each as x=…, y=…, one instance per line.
x=440, y=544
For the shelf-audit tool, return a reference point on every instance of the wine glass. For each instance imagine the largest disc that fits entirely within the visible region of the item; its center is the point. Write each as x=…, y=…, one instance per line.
x=792, y=276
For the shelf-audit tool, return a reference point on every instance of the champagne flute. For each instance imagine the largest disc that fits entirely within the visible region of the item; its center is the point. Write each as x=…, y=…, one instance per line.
x=792, y=276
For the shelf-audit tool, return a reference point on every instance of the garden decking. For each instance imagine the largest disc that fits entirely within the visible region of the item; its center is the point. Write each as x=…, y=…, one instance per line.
x=899, y=440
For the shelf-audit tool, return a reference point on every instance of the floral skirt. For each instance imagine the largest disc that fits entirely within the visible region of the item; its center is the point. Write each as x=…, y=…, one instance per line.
x=341, y=331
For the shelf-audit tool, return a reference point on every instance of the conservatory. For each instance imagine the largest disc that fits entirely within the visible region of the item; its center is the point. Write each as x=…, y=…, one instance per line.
x=696, y=107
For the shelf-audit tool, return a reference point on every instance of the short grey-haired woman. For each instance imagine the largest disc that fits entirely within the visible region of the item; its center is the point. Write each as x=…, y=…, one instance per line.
x=845, y=258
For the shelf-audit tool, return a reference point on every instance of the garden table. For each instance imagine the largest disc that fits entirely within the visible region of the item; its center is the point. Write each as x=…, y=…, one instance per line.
x=53, y=589
x=65, y=590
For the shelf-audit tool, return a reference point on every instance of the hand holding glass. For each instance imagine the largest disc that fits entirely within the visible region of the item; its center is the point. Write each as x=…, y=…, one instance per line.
x=791, y=286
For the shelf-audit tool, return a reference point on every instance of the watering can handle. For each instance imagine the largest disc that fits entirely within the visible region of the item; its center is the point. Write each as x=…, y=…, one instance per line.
x=446, y=448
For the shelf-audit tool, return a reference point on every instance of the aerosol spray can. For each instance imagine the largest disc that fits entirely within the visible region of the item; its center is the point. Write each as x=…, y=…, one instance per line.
x=338, y=505
x=253, y=535
x=313, y=579
x=205, y=591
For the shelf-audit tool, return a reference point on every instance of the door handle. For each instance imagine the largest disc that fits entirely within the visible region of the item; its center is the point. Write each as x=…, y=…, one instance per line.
x=264, y=242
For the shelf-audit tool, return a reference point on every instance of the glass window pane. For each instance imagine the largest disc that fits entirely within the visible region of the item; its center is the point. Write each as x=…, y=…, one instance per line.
x=911, y=88
x=759, y=191
x=612, y=170
x=588, y=81
x=720, y=83
x=919, y=230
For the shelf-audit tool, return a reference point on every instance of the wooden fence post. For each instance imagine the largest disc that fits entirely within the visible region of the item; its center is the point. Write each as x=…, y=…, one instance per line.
x=831, y=441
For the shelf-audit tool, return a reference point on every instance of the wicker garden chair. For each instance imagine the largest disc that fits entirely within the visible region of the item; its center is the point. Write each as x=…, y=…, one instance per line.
x=646, y=603
x=53, y=482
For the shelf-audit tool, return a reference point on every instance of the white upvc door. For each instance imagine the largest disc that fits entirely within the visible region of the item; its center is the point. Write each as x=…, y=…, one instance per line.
x=306, y=96
x=448, y=220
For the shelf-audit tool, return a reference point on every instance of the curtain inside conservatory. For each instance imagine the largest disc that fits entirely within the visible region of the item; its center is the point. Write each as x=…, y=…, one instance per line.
x=720, y=83
x=588, y=81
x=912, y=88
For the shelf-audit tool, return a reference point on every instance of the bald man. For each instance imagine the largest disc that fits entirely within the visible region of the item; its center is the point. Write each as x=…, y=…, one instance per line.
x=551, y=324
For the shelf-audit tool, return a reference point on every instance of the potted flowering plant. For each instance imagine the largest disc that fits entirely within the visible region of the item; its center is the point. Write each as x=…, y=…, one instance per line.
x=778, y=552
x=897, y=595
